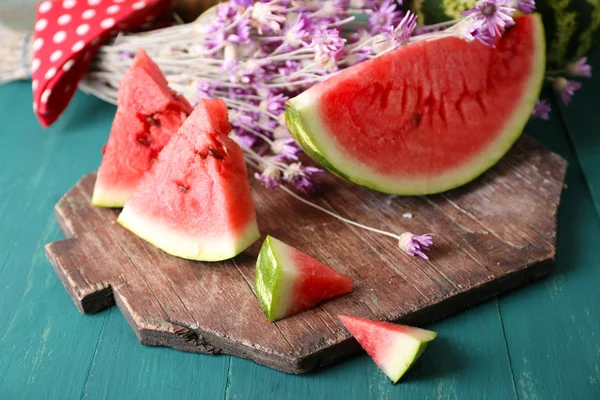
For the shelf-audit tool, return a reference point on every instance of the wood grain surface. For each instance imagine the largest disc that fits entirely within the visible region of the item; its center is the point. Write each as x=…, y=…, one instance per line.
x=491, y=236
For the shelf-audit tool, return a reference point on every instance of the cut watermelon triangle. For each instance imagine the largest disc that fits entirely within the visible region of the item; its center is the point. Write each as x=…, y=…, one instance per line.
x=426, y=117
x=288, y=281
x=195, y=202
x=148, y=113
x=393, y=347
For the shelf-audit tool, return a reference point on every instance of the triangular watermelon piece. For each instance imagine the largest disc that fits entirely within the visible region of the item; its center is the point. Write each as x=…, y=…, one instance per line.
x=148, y=113
x=195, y=202
x=288, y=281
x=393, y=347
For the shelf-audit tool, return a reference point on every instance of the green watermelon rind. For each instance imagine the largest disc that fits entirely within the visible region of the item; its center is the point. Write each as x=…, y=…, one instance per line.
x=303, y=121
x=268, y=285
x=184, y=246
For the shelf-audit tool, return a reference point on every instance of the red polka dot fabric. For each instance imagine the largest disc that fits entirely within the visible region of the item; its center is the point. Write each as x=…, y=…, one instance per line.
x=66, y=36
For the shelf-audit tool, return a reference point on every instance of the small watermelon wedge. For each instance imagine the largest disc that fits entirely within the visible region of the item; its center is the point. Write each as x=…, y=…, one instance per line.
x=288, y=281
x=426, y=117
x=394, y=348
x=148, y=114
x=195, y=201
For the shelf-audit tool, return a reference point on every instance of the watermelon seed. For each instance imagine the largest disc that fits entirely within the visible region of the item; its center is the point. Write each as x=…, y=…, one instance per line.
x=417, y=119
x=183, y=188
x=152, y=122
x=202, y=156
x=103, y=149
x=144, y=140
x=215, y=154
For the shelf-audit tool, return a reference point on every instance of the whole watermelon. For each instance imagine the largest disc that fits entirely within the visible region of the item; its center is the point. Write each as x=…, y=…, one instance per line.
x=572, y=26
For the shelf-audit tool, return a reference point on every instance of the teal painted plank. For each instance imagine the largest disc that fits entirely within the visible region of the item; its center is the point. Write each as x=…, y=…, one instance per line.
x=123, y=368
x=467, y=359
x=552, y=327
x=582, y=120
x=46, y=346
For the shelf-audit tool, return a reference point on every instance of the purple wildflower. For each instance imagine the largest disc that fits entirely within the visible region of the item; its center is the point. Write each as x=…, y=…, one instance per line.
x=241, y=34
x=327, y=45
x=565, y=88
x=383, y=16
x=204, y=89
x=415, y=245
x=285, y=148
x=580, y=68
x=271, y=177
x=299, y=176
x=288, y=67
x=484, y=36
x=245, y=138
x=541, y=110
x=298, y=32
x=267, y=16
x=126, y=54
x=525, y=6
x=491, y=16
x=275, y=104
x=402, y=33
x=225, y=13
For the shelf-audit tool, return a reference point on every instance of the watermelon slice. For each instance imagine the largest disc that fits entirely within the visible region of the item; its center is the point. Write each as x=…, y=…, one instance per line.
x=195, y=202
x=393, y=347
x=148, y=114
x=426, y=117
x=288, y=281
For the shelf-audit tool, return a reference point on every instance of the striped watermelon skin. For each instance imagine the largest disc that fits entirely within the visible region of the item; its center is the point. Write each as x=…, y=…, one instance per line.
x=572, y=26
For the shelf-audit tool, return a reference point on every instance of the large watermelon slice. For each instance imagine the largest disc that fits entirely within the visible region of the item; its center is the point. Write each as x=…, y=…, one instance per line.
x=288, y=281
x=426, y=117
x=195, y=202
x=148, y=114
x=393, y=347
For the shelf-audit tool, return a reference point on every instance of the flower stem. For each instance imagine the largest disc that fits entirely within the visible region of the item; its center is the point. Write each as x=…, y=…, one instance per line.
x=331, y=213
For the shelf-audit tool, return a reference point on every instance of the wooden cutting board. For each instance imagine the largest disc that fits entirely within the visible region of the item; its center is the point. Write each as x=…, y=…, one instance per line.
x=491, y=236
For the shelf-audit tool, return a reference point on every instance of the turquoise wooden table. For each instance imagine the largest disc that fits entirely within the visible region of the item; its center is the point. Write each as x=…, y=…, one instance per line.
x=540, y=342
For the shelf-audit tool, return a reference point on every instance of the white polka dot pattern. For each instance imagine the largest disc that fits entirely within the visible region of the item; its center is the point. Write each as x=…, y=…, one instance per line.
x=41, y=24
x=68, y=4
x=37, y=44
x=88, y=14
x=45, y=7
x=82, y=29
x=107, y=23
x=66, y=36
x=67, y=66
x=78, y=45
x=45, y=95
x=64, y=19
x=56, y=55
x=50, y=73
x=59, y=37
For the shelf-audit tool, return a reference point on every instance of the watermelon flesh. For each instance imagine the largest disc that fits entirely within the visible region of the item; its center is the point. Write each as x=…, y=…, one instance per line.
x=195, y=201
x=394, y=348
x=148, y=114
x=426, y=117
x=288, y=281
